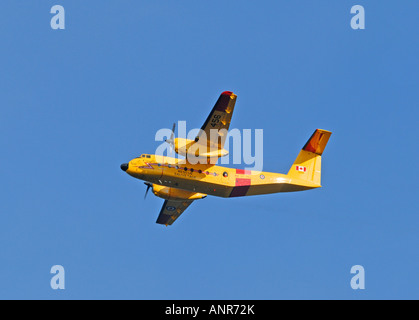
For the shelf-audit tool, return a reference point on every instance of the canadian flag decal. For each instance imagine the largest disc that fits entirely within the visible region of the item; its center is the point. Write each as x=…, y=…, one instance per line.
x=301, y=168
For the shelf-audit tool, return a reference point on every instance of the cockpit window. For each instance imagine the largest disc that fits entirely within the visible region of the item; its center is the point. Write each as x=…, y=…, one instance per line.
x=148, y=156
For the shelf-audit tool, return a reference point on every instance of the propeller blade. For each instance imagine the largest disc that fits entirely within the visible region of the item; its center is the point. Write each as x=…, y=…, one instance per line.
x=172, y=136
x=149, y=185
x=173, y=133
x=171, y=140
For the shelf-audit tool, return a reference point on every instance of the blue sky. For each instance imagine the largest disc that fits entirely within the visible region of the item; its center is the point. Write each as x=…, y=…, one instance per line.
x=76, y=103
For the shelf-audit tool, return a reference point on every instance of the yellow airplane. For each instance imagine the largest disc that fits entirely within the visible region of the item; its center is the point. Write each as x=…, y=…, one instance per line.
x=180, y=182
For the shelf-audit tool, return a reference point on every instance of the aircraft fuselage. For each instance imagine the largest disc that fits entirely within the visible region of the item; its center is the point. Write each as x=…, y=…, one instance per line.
x=211, y=179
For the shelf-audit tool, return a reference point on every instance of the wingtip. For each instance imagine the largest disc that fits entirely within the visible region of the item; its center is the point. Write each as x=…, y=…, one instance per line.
x=227, y=93
x=323, y=130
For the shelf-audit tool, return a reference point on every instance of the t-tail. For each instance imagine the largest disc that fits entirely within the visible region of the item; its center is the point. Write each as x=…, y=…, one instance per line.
x=307, y=166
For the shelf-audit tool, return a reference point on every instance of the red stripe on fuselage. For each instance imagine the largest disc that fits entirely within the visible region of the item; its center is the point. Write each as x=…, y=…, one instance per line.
x=241, y=188
x=241, y=171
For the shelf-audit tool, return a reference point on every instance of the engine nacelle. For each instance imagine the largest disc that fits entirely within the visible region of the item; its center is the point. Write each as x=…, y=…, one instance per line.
x=187, y=147
x=169, y=193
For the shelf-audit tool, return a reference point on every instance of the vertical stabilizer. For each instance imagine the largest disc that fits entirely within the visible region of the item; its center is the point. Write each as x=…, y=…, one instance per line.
x=307, y=166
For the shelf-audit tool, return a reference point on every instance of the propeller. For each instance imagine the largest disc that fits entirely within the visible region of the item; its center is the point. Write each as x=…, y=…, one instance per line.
x=171, y=141
x=149, y=185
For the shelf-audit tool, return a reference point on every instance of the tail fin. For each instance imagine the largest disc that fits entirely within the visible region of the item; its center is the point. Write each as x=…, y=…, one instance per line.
x=307, y=166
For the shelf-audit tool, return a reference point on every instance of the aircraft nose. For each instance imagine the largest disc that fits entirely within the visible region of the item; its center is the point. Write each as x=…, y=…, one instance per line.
x=124, y=166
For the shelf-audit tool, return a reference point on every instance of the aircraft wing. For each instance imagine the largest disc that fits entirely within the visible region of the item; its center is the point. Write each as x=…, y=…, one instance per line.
x=171, y=210
x=219, y=118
